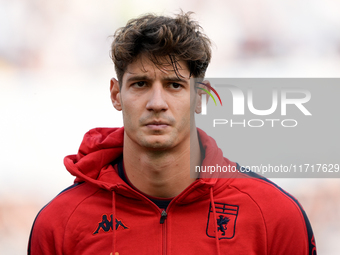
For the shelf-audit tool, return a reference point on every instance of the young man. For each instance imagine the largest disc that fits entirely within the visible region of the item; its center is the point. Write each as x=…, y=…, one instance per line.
x=133, y=193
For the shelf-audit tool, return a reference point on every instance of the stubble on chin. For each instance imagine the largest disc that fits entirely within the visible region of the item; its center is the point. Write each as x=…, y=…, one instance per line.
x=156, y=142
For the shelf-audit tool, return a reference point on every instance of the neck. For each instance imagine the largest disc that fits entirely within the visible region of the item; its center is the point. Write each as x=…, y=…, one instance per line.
x=165, y=173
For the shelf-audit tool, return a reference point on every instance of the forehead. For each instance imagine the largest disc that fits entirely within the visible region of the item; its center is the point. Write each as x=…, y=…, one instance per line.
x=144, y=66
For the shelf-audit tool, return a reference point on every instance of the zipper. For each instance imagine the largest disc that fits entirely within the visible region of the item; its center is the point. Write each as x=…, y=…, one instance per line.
x=162, y=221
x=163, y=217
x=164, y=213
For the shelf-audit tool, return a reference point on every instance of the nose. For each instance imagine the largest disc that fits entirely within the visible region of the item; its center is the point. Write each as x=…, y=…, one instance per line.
x=157, y=100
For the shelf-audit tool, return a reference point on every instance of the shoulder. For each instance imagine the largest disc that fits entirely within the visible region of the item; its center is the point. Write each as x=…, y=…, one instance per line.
x=62, y=206
x=49, y=224
x=285, y=220
x=266, y=194
x=66, y=201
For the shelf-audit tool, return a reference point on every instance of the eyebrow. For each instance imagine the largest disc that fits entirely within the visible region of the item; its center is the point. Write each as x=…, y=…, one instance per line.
x=146, y=78
x=174, y=78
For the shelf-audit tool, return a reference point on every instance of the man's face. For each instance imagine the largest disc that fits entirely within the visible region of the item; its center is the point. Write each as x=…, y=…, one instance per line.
x=156, y=104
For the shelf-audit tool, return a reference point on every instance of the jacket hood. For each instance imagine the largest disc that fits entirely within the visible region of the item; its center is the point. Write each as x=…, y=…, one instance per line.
x=101, y=146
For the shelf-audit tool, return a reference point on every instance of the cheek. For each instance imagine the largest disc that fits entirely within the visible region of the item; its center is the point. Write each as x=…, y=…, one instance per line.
x=184, y=111
x=129, y=112
x=182, y=106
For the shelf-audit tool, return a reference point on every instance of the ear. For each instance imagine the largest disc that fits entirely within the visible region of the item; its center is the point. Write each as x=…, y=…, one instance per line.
x=200, y=92
x=115, y=94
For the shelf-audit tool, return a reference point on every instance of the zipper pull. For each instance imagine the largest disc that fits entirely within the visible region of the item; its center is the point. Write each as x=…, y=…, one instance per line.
x=163, y=217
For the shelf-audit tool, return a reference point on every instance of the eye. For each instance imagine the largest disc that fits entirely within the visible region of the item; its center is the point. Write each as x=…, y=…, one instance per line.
x=176, y=85
x=139, y=84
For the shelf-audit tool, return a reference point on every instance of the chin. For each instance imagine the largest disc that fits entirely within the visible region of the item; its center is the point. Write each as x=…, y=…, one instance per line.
x=157, y=143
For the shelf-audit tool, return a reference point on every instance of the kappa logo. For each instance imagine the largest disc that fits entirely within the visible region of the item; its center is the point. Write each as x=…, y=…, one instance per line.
x=106, y=225
x=226, y=216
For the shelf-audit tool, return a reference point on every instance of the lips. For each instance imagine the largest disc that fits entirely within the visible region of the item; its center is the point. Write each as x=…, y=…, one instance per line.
x=157, y=125
x=155, y=122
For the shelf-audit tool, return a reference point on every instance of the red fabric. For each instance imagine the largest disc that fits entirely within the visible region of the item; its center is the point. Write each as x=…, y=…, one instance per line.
x=262, y=218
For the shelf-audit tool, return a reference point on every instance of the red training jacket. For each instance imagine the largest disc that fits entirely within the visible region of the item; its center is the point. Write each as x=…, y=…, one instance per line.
x=101, y=214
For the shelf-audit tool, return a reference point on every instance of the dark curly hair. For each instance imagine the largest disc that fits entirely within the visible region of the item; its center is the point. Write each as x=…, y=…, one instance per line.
x=179, y=38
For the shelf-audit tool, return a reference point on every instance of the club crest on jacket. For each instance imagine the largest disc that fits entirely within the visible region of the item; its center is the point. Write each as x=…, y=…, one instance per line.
x=226, y=216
